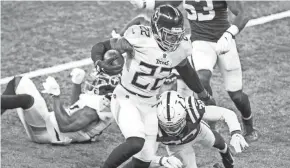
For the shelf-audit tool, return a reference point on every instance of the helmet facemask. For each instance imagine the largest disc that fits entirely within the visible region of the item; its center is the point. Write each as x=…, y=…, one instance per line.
x=101, y=83
x=169, y=40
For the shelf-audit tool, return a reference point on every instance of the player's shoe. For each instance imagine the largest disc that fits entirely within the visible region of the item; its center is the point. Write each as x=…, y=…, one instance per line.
x=251, y=136
x=227, y=159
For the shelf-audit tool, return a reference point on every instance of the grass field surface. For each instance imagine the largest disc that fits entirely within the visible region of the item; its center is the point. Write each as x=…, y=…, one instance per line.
x=40, y=34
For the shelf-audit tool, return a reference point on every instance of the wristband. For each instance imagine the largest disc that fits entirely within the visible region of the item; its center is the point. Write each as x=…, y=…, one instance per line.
x=204, y=95
x=236, y=132
x=233, y=30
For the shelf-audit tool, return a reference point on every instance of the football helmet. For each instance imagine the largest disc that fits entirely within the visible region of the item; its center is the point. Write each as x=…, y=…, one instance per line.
x=167, y=24
x=171, y=113
x=101, y=83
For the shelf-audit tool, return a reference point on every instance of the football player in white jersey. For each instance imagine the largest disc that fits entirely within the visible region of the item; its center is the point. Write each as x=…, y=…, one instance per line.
x=213, y=41
x=84, y=120
x=151, y=54
x=181, y=126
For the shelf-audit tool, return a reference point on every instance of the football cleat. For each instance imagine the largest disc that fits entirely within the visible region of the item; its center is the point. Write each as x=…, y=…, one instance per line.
x=252, y=136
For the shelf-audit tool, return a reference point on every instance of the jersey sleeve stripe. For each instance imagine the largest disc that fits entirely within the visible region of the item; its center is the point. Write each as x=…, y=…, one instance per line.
x=193, y=108
x=191, y=113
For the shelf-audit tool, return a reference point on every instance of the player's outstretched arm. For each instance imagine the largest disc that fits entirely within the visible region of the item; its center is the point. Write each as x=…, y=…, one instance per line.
x=239, y=9
x=215, y=113
x=77, y=121
x=191, y=79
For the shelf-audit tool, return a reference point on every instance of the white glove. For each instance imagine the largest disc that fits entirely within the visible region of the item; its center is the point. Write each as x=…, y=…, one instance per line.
x=238, y=142
x=224, y=43
x=114, y=34
x=77, y=75
x=137, y=3
x=170, y=162
x=51, y=86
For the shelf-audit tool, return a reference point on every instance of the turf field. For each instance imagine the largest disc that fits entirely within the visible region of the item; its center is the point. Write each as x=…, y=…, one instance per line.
x=37, y=35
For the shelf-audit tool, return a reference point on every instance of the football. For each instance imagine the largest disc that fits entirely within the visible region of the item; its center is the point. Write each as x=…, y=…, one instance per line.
x=114, y=53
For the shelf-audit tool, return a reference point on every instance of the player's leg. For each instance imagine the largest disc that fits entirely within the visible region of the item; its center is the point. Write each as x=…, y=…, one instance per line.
x=204, y=59
x=130, y=123
x=148, y=113
x=9, y=100
x=231, y=70
x=209, y=138
x=36, y=119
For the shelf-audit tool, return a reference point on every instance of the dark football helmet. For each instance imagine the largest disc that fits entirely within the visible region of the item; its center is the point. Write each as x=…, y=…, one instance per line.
x=101, y=83
x=167, y=25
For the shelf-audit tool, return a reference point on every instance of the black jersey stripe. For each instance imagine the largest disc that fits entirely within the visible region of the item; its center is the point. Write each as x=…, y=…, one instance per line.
x=168, y=106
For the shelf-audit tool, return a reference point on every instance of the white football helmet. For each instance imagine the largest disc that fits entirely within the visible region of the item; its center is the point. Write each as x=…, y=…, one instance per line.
x=171, y=113
x=101, y=83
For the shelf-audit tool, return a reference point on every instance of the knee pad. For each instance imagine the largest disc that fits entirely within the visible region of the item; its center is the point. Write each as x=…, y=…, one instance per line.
x=136, y=143
x=137, y=163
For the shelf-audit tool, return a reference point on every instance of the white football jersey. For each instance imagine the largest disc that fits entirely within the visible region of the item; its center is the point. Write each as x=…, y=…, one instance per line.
x=146, y=70
x=102, y=107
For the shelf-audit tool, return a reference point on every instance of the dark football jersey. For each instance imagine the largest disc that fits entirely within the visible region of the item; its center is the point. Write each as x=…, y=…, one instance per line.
x=208, y=19
x=195, y=110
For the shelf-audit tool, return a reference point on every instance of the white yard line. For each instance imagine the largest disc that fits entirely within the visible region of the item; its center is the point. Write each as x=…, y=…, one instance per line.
x=74, y=64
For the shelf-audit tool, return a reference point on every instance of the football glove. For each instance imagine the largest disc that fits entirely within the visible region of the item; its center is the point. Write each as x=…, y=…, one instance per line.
x=107, y=67
x=238, y=142
x=77, y=75
x=143, y=4
x=114, y=34
x=170, y=162
x=206, y=98
x=224, y=43
x=51, y=86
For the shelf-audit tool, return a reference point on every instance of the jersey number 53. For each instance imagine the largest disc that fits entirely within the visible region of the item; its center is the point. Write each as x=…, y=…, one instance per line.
x=206, y=13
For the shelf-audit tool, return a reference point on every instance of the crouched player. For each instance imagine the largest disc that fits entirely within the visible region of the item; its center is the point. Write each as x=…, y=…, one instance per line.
x=181, y=126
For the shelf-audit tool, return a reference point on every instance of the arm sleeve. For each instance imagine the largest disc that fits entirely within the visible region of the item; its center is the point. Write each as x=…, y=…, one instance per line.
x=215, y=113
x=190, y=77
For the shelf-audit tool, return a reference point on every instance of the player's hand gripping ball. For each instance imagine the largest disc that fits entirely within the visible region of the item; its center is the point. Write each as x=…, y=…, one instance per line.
x=112, y=64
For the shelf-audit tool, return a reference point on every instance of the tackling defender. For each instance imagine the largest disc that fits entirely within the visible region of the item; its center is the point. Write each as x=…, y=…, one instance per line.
x=213, y=42
x=181, y=126
x=84, y=120
x=151, y=53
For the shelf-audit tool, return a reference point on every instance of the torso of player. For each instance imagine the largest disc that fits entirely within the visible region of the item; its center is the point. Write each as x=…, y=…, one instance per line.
x=89, y=100
x=208, y=19
x=195, y=111
x=146, y=71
